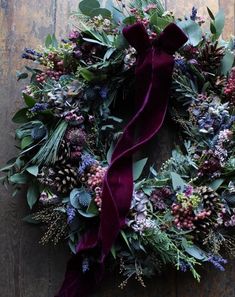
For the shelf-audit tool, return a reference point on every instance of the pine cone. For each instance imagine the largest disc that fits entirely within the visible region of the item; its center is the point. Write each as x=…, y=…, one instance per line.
x=212, y=204
x=61, y=177
x=64, y=153
x=210, y=56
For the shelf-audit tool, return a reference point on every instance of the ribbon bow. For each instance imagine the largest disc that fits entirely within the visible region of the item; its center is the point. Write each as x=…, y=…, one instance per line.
x=153, y=80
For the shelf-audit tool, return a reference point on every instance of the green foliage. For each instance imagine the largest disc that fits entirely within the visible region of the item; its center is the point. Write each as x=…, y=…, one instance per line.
x=51, y=41
x=32, y=194
x=177, y=182
x=21, y=116
x=138, y=167
x=192, y=30
x=48, y=152
x=81, y=200
x=87, y=6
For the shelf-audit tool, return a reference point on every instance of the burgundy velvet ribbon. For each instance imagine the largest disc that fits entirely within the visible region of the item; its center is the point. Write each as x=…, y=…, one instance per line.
x=153, y=72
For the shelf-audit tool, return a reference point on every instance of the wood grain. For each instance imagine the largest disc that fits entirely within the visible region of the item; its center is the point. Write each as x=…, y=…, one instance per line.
x=184, y=7
x=27, y=269
x=229, y=8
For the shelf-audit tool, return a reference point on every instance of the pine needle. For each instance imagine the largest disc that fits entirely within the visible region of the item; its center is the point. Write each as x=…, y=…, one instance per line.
x=48, y=152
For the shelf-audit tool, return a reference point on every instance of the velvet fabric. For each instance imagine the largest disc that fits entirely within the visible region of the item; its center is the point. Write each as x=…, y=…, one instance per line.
x=153, y=72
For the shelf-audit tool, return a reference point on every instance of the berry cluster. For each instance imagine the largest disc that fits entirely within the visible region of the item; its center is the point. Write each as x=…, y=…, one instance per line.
x=185, y=218
x=230, y=88
x=95, y=178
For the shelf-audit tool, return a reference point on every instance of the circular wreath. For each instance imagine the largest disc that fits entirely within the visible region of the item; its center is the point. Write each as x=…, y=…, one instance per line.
x=97, y=98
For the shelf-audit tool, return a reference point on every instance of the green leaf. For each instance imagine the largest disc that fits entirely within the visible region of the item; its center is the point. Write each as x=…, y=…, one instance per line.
x=48, y=41
x=192, y=30
x=113, y=252
x=19, y=178
x=81, y=200
x=159, y=22
x=21, y=75
x=86, y=6
x=210, y=13
x=130, y=20
x=105, y=13
x=125, y=239
x=212, y=28
x=92, y=208
x=33, y=170
x=29, y=219
x=87, y=74
x=215, y=184
x=54, y=41
x=230, y=198
x=196, y=252
x=109, y=53
x=20, y=116
x=110, y=152
x=219, y=22
x=138, y=167
x=32, y=195
x=227, y=62
x=29, y=101
x=177, y=181
x=25, y=142
x=7, y=167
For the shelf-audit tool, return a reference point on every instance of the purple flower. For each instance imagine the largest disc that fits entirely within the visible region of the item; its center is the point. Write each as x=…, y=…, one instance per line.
x=181, y=64
x=103, y=92
x=39, y=107
x=71, y=213
x=74, y=35
x=184, y=266
x=32, y=52
x=217, y=261
x=77, y=53
x=27, y=56
x=85, y=265
x=86, y=161
x=188, y=190
x=193, y=14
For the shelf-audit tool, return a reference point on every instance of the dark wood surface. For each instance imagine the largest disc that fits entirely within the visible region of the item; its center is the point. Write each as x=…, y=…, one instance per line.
x=28, y=269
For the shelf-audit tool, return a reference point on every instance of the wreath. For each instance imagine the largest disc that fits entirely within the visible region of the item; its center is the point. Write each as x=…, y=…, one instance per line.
x=93, y=102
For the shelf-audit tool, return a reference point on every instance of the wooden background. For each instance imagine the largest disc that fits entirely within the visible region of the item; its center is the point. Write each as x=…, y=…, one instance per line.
x=27, y=269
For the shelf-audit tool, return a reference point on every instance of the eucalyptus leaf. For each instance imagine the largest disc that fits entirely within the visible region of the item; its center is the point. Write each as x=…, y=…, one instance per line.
x=110, y=152
x=227, y=62
x=32, y=195
x=196, y=252
x=192, y=30
x=86, y=6
x=19, y=178
x=138, y=167
x=215, y=184
x=104, y=12
x=33, y=170
x=219, y=22
x=177, y=181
